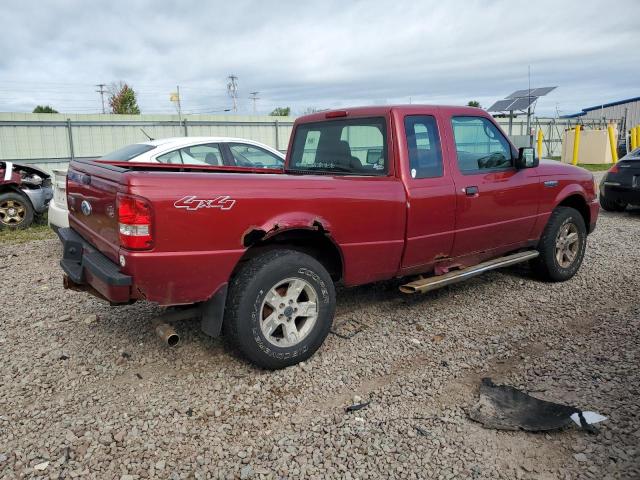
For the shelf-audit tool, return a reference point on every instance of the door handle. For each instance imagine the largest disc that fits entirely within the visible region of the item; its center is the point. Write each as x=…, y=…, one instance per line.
x=471, y=191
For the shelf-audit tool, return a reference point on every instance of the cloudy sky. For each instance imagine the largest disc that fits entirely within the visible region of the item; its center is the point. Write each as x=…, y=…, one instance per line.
x=317, y=54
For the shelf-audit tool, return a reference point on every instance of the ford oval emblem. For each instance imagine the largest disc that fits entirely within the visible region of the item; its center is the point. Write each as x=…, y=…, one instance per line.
x=85, y=207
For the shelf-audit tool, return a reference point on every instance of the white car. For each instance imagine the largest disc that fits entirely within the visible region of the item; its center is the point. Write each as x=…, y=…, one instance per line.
x=180, y=150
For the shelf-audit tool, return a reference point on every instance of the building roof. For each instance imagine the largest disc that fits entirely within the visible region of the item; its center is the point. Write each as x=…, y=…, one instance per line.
x=604, y=105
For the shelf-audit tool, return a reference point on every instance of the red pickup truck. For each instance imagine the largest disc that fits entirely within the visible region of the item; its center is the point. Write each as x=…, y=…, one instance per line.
x=431, y=193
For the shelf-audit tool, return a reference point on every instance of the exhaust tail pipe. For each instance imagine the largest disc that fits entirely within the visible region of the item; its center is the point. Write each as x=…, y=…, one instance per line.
x=167, y=334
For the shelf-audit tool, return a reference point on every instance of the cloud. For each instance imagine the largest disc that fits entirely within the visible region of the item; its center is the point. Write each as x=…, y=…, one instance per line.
x=321, y=53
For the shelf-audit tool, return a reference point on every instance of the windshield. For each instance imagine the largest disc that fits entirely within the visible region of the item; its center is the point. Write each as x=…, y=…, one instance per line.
x=125, y=154
x=632, y=155
x=348, y=147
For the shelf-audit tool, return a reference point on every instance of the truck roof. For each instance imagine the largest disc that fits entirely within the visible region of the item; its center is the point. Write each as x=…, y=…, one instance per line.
x=379, y=110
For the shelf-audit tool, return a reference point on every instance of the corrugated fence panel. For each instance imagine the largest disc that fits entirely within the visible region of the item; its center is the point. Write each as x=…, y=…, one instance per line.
x=43, y=139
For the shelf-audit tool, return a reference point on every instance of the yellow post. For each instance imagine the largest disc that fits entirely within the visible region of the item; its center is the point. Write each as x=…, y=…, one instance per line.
x=576, y=145
x=540, y=135
x=634, y=138
x=612, y=144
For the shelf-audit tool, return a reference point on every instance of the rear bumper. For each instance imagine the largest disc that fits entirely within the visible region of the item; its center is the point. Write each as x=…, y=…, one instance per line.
x=88, y=269
x=58, y=216
x=621, y=193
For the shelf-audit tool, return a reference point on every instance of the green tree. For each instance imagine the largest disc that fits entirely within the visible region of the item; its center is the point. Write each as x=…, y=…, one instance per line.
x=123, y=100
x=474, y=103
x=44, y=109
x=281, y=112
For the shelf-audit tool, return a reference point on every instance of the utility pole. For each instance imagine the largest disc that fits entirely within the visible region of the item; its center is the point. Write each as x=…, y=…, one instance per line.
x=179, y=104
x=529, y=108
x=255, y=98
x=101, y=92
x=232, y=90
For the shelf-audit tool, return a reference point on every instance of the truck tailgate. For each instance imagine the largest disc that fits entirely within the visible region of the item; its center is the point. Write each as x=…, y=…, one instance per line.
x=92, y=189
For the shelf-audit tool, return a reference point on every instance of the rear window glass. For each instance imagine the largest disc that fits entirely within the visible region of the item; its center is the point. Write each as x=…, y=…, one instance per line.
x=125, y=154
x=343, y=147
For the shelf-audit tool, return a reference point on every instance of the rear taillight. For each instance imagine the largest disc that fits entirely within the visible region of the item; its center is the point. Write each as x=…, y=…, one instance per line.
x=614, y=169
x=134, y=222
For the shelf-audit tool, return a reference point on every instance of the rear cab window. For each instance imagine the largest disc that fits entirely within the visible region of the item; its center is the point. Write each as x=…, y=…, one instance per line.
x=355, y=146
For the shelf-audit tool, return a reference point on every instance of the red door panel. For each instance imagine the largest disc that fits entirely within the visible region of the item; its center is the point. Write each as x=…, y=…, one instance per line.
x=496, y=204
x=430, y=190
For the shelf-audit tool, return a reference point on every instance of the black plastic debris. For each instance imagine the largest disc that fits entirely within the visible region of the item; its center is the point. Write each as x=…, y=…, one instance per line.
x=139, y=376
x=357, y=406
x=506, y=408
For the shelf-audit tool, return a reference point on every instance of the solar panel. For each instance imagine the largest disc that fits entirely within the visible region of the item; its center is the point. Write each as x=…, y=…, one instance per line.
x=501, y=105
x=518, y=94
x=522, y=103
x=535, y=92
x=541, y=92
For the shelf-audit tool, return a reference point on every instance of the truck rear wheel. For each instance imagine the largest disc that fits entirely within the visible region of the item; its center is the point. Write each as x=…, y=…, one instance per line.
x=15, y=211
x=561, y=246
x=280, y=308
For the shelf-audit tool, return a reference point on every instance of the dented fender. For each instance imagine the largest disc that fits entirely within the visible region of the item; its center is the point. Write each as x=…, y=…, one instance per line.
x=282, y=223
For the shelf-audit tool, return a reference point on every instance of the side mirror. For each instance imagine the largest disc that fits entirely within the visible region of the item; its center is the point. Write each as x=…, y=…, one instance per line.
x=526, y=158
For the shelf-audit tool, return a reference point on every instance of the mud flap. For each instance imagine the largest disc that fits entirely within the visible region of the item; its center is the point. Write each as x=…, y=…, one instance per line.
x=213, y=312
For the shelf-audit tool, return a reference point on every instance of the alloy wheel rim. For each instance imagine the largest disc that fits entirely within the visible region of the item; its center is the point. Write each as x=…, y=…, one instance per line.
x=12, y=212
x=567, y=245
x=289, y=312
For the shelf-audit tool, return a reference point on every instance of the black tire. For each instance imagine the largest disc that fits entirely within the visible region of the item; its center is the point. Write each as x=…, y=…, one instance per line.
x=612, y=205
x=547, y=266
x=11, y=202
x=245, y=309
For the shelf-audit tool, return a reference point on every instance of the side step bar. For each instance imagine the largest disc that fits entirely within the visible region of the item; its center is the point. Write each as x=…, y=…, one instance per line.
x=432, y=283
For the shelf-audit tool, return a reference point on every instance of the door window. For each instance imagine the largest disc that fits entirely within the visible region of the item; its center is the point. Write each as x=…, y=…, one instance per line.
x=207, y=154
x=246, y=155
x=170, y=157
x=480, y=145
x=423, y=145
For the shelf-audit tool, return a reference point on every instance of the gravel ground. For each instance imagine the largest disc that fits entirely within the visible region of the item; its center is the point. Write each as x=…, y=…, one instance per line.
x=88, y=391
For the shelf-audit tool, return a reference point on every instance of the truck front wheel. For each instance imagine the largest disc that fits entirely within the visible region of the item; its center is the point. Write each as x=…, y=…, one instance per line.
x=561, y=246
x=280, y=308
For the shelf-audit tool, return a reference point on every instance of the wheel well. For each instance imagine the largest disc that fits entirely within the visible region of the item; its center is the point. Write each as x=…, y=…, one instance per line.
x=579, y=204
x=314, y=242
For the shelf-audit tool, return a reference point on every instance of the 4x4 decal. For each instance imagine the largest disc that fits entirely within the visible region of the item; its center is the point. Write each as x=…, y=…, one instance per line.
x=191, y=202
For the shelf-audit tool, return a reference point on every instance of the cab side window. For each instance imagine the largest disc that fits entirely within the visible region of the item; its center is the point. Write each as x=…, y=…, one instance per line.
x=480, y=145
x=423, y=145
